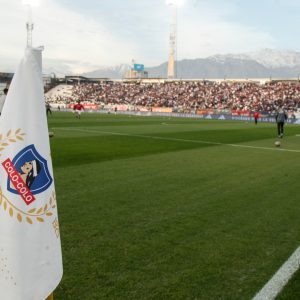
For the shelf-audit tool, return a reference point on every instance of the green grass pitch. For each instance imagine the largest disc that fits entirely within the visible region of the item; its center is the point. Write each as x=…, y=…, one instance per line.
x=160, y=208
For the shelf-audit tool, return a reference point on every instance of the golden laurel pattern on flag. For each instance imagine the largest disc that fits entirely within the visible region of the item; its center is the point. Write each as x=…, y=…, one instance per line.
x=37, y=214
x=9, y=138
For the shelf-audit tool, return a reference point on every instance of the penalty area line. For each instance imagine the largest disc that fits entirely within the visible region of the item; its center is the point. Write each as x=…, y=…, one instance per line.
x=275, y=285
x=174, y=139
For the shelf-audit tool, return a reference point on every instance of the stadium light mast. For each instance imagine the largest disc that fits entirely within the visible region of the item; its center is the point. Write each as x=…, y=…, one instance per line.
x=172, y=68
x=29, y=23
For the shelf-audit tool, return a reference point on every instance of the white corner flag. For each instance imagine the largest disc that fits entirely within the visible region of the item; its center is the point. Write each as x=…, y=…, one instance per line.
x=30, y=249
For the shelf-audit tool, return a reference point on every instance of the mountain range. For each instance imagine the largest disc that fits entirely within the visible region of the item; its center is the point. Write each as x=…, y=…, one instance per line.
x=265, y=63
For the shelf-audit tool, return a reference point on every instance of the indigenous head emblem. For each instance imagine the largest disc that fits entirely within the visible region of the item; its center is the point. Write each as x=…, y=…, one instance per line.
x=28, y=174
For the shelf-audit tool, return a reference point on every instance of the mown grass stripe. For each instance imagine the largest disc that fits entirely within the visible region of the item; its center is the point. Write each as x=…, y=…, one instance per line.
x=176, y=139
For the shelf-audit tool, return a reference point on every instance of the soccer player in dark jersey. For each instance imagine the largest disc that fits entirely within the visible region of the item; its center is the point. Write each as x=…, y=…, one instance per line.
x=281, y=117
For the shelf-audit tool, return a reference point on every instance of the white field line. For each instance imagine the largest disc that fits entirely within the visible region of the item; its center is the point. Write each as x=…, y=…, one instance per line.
x=275, y=285
x=175, y=139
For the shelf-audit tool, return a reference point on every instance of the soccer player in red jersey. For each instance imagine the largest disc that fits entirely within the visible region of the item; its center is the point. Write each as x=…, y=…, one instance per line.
x=78, y=108
x=256, y=116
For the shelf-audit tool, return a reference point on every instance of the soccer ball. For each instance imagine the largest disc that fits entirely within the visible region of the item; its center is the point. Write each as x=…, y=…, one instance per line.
x=277, y=144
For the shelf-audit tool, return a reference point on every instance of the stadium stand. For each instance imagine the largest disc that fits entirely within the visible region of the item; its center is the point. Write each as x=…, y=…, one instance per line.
x=59, y=95
x=184, y=96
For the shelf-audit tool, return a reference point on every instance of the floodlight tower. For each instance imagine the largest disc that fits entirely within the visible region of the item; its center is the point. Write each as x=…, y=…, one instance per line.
x=172, y=39
x=29, y=23
x=29, y=27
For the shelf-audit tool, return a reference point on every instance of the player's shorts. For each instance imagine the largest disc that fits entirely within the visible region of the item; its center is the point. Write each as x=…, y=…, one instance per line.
x=78, y=112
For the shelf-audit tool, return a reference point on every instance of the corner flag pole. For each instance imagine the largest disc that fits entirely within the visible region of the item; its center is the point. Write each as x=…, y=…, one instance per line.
x=29, y=23
x=29, y=28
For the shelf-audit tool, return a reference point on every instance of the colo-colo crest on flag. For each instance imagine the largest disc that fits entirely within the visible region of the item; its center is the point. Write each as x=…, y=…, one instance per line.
x=28, y=174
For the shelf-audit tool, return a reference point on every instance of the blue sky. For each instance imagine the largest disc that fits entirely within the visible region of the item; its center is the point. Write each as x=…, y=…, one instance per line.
x=84, y=35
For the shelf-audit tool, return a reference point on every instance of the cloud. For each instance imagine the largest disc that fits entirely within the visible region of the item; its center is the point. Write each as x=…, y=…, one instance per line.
x=209, y=30
x=66, y=35
x=78, y=41
x=72, y=36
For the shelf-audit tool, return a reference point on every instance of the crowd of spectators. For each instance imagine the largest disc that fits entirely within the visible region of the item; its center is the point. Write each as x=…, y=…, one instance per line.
x=192, y=95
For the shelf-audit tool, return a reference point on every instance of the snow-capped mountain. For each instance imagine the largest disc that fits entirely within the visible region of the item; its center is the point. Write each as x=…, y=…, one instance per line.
x=264, y=63
x=267, y=57
x=115, y=72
